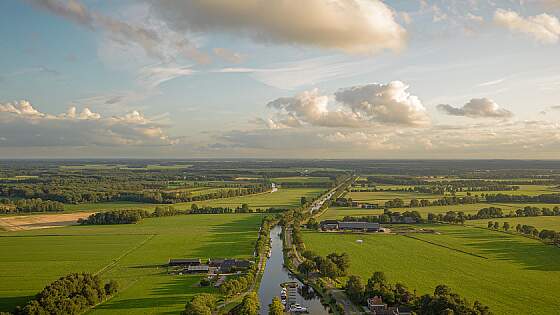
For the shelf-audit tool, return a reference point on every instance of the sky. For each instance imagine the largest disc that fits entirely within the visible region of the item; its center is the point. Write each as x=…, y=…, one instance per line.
x=366, y=79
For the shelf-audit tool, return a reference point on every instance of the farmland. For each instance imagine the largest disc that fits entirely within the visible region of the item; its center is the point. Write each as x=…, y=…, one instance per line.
x=480, y=264
x=131, y=254
x=283, y=198
x=549, y=223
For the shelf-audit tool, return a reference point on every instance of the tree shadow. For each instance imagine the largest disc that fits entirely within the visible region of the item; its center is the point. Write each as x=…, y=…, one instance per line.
x=532, y=254
x=9, y=303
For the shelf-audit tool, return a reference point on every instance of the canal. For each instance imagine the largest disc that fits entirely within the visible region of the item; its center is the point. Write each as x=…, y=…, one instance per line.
x=275, y=274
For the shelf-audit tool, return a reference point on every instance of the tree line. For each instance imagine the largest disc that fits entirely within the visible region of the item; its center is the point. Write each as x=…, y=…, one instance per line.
x=72, y=294
x=29, y=205
x=459, y=217
x=529, y=230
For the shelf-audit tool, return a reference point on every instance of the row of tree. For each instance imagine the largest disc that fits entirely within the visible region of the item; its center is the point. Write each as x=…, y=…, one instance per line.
x=545, y=235
x=492, y=213
x=29, y=205
x=544, y=198
x=72, y=294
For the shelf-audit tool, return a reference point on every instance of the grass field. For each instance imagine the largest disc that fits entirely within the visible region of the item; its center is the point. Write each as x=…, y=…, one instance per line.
x=549, y=223
x=381, y=197
x=340, y=212
x=300, y=179
x=283, y=198
x=511, y=274
x=529, y=190
x=131, y=254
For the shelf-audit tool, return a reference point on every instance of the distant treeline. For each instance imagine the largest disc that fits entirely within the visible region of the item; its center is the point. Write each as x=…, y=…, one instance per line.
x=492, y=212
x=439, y=189
x=130, y=216
x=29, y=205
x=72, y=295
x=96, y=188
x=388, y=217
x=545, y=198
x=185, y=196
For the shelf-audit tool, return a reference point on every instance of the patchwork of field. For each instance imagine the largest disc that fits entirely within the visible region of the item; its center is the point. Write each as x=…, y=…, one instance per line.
x=380, y=197
x=282, y=198
x=131, y=254
x=300, y=179
x=341, y=212
x=512, y=274
x=529, y=190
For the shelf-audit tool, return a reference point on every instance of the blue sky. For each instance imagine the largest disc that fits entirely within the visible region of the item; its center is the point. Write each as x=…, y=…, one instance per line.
x=255, y=78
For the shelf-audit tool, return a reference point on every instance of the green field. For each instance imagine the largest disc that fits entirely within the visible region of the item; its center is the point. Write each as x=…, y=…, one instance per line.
x=131, y=254
x=529, y=190
x=549, y=223
x=510, y=273
x=300, y=179
x=341, y=212
x=283, y=198
x=380, y=197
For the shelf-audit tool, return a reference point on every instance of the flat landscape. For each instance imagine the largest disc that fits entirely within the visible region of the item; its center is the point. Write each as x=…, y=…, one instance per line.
x=134, y=255
x=489, y=266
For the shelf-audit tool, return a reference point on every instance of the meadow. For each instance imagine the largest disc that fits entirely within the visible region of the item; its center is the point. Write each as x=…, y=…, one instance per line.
x=381, y=197
x=511, y=274
x=341, y=212
x=131, y=254
x=549, y=223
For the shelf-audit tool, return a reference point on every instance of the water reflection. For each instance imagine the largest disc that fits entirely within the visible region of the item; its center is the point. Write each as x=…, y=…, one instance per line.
x=275, y=274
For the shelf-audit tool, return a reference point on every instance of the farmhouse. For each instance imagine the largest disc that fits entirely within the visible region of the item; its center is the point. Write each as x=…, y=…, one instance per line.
x=331, y=225
x=377, y=307
x=198, y=269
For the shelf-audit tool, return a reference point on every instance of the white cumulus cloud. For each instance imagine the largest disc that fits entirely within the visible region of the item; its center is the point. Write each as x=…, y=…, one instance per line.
x=21, y=125
x=544, y=28
x=477, y=108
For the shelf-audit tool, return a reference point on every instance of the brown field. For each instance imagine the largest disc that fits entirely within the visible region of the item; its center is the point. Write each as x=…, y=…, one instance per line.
x=40, y=221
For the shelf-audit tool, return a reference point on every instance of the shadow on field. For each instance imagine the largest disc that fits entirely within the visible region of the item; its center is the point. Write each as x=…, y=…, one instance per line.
x=532, y=254
x=8, y=304
x=174, y=293
x=231, y=239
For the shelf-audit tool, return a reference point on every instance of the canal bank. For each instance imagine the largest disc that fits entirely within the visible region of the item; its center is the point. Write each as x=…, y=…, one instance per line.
x=275, y=274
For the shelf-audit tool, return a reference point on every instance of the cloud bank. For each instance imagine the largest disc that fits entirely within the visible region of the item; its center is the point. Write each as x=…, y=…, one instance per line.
x=21, y=125
x=543, y=27
x=357, y=26
x=477, y=108
x=357, y=106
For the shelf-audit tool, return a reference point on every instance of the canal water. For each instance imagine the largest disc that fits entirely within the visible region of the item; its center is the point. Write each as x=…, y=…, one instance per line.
x=275, y=274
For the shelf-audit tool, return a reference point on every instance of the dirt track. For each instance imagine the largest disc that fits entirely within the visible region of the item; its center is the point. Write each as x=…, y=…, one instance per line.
x=40, y=221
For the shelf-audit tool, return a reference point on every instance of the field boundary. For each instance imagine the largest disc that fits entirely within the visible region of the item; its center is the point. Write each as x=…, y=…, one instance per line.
x=444, y=246
x=116, y=260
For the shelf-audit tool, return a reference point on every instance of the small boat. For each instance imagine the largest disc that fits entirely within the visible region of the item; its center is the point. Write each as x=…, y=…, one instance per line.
x=296, y=308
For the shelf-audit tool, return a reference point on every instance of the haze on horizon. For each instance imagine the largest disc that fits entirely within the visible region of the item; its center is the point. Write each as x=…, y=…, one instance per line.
x=276, y=78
